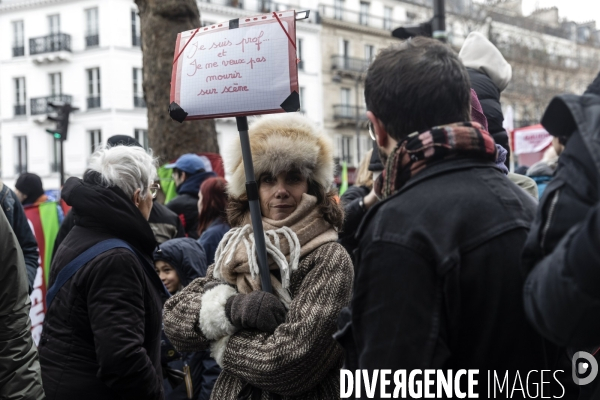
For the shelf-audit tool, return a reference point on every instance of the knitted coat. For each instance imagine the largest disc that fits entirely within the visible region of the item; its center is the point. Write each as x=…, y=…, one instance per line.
x=300, y=360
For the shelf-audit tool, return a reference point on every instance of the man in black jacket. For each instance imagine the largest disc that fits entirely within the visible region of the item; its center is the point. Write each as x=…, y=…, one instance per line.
x=562, y=252
x=438, y=279
x=189, y=171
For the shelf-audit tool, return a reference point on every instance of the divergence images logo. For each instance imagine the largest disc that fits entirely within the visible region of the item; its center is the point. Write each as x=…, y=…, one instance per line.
x=585, y=368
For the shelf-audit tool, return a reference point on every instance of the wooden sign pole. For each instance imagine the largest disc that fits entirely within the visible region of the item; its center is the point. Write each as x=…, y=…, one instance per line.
x=253, y=200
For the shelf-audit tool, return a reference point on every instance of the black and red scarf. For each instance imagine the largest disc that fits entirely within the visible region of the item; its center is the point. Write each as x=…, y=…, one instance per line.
x=418, y=150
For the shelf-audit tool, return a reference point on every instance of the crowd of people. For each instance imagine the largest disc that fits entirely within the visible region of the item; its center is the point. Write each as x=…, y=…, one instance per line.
x=437, y=258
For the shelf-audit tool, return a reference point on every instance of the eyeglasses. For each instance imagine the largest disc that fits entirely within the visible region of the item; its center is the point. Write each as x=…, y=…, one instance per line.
x=371, y=131
x=154, y=188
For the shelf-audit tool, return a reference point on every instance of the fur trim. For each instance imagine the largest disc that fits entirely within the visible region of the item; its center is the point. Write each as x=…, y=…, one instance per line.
x=213, y=320
x=282, y=142
x=217, y=349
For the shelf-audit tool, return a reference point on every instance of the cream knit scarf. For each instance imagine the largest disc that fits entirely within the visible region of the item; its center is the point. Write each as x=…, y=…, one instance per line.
x=287, y=242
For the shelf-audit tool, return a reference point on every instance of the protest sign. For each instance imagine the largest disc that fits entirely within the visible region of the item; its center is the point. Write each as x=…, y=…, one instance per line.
x=532, y=139
x=242, y=67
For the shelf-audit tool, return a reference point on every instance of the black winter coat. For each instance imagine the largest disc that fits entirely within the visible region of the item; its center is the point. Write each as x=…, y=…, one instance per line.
x=353, y=215
x=101, y=337
x=562, y=299
x=489, y=97
x=438, y=281
x=185, y=205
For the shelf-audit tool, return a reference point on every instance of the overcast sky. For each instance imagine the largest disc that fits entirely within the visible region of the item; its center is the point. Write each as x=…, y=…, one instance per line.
x=575, y=10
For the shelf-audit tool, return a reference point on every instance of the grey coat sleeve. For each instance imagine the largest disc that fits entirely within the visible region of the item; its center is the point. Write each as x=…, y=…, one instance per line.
x=561, y=293
x=20, y=375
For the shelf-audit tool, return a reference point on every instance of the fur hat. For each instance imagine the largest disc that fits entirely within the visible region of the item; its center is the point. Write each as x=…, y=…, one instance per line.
x=282, y=142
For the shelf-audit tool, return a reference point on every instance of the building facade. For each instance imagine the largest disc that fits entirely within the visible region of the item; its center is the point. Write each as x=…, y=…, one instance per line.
x=86, y=53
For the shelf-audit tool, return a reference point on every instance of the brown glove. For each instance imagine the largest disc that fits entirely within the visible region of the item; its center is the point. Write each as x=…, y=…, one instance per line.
x=257, y=310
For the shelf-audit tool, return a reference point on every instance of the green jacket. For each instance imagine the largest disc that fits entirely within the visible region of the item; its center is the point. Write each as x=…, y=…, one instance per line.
x=20, y=374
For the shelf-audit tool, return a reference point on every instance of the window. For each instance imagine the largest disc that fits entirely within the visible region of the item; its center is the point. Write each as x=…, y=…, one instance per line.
x=345, y=146
x=345, y=96
x=55, y=84
x=387, y=18
x=136, y=33
x=346, y=110
x=338, y=9
x=95, y=139
x=141, y=135
x=20, y=154
x=138, y=90
x=92, y=37
x=93, y=76
x=265, y=6
x=299, y=48
x=54, y=24
x=20, y=107
x=364, y=13
x=369, y=52
x=345, y=53
x=18, y=39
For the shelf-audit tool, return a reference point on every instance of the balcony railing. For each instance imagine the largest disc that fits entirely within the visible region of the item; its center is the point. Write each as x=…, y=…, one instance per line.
x=139, y=102
x=344, y=63
x=349, y=112
x=92, y=40
x=20, y=109
x=93, y=102
x=18, y=50
x=39, y=105
x=356, y=17
x=50, y=43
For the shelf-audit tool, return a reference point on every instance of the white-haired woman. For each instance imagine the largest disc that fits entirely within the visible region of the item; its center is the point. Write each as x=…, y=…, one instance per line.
x=273, y=346
x=101, y=336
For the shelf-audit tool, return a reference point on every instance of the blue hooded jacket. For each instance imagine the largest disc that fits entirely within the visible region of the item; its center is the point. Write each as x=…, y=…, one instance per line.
x=188, y=258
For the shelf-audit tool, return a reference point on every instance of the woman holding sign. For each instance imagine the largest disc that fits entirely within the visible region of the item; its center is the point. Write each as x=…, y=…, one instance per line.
x=276, y=344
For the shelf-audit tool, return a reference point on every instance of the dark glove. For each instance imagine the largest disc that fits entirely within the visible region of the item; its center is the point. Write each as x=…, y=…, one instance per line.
x=257, y=310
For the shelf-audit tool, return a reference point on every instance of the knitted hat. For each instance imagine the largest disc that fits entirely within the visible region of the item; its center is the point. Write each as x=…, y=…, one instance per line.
x=122, y=140
x=30, y=185
x=282, y=142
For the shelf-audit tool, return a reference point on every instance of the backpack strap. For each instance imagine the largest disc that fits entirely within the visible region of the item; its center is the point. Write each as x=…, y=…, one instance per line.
x=71, y=268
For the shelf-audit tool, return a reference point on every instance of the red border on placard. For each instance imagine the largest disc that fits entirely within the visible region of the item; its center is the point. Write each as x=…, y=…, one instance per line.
x=243, y=22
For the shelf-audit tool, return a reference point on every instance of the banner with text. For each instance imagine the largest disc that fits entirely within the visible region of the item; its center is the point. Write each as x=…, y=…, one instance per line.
x=245, y=66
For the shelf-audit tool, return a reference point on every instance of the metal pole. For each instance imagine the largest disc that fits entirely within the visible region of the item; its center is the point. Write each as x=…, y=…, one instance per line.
x=62, y=163
x=438, y=24
x=357, y=124
x=255, y=214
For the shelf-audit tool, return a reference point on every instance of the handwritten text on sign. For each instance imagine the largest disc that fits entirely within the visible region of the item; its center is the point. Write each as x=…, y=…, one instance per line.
x=237, y=70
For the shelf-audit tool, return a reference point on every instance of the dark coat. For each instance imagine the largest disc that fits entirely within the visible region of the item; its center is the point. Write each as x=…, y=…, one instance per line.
x=353, y=215
x=562, y=252
x=20, y=375
x=185, y=205
x=438, y=282
x=187, y=256
x=211, y=238
x=15, y=214
x=489, y=97
x=101, y=337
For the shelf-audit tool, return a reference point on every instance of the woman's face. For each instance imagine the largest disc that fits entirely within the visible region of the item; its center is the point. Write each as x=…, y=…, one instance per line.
x=167, y=275
x=281, y=194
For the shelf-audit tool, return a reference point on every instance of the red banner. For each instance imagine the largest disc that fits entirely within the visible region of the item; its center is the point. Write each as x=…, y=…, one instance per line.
x=38, y=296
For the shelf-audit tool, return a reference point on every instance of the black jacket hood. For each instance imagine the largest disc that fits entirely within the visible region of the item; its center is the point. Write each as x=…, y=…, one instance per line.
x=108, y=209
x=186, y=255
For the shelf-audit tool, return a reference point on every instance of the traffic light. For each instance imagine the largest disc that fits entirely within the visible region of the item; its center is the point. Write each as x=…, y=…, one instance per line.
x=62, y=120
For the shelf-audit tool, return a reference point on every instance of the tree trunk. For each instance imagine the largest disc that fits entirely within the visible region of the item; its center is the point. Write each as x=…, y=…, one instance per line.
x=161, y=21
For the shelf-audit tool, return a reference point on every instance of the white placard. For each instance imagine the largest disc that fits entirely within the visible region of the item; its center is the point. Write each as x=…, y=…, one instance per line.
x=234, y=71
x=531, y=140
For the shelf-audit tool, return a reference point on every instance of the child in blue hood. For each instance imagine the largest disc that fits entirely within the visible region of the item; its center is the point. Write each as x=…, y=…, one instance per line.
x=178, y=262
